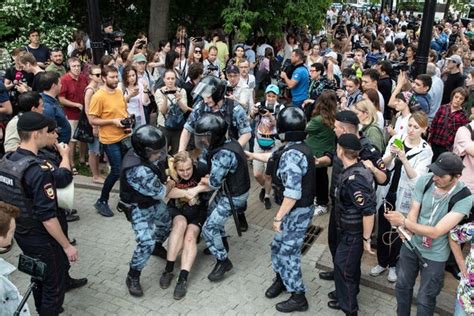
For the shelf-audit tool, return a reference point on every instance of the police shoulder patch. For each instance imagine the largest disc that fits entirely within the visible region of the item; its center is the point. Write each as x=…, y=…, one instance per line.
x=49, y=191
x=381, y=164
x=359, y=198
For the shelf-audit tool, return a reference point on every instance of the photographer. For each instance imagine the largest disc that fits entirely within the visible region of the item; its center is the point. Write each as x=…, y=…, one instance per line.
x=265, y=114
x=10, y=297
x=297, y=78
x=212, y=64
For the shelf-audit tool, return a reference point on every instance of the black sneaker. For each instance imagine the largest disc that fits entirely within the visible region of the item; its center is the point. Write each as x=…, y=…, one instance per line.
x=165, y=279
x=219, y=270
x=261, y=195
x=72, y=218
x=103, y=208
x=159, y=251
x=134, y=287
x=180, y=289
x=267, y=203
x=75, y=283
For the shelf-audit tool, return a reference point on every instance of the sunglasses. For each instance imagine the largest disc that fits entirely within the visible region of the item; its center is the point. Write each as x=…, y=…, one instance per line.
x=97, y=75
x=197, y=52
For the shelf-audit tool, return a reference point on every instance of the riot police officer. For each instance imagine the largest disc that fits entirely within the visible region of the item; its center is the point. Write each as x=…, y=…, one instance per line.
x=354, y=213
x=228, y=175
x=27, y=182
x=293, y=171
x=211, y=95
x=143, y=186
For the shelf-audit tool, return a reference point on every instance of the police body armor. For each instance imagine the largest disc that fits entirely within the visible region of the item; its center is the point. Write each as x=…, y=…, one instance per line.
x=127, y=193
x=239, y=182
x=12, y=192
x=308, y=185
x=228, y=115
x=349, y=220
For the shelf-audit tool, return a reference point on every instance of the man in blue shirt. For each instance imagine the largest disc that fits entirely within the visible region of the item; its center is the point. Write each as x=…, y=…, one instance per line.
x=299, y=82
x=51, y=85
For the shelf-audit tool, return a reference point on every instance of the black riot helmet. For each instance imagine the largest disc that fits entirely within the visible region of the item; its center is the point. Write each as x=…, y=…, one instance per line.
x=291, y=124
x=148, y=140
x=210, y=131
x=210, y=86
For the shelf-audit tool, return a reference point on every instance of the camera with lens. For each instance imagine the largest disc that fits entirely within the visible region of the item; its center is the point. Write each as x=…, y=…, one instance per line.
x=111, y=40
x=212, y=67
x=229, y=91
x=32, y=266
x=170, y=92
x=262, y=109
x=128, y=122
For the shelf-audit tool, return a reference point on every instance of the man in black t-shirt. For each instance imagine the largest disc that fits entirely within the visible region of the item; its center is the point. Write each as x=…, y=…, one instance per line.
x=38, y=50
x=455, y=78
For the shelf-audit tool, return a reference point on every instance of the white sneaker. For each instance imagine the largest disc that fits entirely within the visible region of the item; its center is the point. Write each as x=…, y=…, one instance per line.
x=320, y=210
x=392, y=275
x=377, y=270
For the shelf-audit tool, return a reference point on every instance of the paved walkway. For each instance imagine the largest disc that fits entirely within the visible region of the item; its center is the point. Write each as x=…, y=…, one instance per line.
x=105, y=247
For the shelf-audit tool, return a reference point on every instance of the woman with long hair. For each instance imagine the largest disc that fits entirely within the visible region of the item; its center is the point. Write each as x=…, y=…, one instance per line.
x=173, y=105
x=407, y=158
x=135, y=95
x=373, y=96
x=446, y=122
x=94, y=148
x=367, y=114
x=321, y=138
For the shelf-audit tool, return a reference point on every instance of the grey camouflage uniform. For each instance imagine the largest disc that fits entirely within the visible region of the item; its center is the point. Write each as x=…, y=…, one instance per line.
x=149, y=224
x=222, y=163
x=286, y=245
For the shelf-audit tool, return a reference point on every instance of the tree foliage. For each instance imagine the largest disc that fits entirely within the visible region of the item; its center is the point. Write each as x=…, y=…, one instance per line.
x=50, y=17
x=272, y=16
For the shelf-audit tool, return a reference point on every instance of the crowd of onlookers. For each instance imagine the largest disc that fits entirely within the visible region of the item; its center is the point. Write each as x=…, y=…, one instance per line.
x=359, y=61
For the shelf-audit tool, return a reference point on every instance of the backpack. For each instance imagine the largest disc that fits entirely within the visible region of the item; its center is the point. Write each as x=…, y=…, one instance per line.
x=174, y=119
x=464, y=193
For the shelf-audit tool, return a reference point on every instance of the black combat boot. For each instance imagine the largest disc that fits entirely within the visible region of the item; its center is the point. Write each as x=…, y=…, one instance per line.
x=244, y=226
x=296, y=303
x=276, y=288
x=219, y=270
x=133, y=282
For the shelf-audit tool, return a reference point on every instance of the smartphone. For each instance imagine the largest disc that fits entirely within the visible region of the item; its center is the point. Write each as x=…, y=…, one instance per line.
x=398, y=143
x=32, y=266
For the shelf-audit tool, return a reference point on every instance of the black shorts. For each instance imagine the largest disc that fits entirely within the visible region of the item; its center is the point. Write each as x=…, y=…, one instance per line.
x=194, y=214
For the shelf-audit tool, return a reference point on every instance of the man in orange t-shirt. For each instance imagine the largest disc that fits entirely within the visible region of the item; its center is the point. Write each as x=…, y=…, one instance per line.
x=107, y=109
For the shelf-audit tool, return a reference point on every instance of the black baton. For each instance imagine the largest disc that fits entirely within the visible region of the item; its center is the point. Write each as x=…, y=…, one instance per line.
x=232, y=208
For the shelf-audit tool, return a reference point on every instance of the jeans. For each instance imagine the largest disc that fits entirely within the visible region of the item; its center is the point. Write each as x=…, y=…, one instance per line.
x=114, y=155
x=458, y=310
x=431, y=283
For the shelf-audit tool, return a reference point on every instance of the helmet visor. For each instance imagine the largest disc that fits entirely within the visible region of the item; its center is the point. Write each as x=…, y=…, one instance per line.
x=202, y=141
x=157, y=154
x=203, y=90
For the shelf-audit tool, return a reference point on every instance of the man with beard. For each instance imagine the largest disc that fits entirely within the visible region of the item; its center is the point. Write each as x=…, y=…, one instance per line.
x=57, y=60
x=108, y=110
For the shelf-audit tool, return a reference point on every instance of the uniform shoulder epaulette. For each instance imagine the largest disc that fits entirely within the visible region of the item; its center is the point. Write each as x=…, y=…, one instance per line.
x=44, y=166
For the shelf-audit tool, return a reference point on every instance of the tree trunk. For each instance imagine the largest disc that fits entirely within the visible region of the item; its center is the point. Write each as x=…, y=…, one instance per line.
x=446, y=9
x=159, y=20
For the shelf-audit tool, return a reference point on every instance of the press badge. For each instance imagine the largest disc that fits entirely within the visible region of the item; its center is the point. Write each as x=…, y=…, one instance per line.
x=427, y=242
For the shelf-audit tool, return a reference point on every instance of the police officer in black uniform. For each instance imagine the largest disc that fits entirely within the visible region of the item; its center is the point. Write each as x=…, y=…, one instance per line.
x=354, y=212
x=347, y=123
x=27, y=182
x=56, y=156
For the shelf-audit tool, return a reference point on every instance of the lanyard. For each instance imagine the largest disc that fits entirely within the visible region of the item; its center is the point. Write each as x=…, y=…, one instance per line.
x=435, y=207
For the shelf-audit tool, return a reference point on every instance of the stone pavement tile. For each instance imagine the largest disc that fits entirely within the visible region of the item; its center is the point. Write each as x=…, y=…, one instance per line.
x=105, y=247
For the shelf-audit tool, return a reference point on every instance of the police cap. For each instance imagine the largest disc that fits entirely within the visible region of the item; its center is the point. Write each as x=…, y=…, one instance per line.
x=347, y=117
x=32, y=121
x=349, y=141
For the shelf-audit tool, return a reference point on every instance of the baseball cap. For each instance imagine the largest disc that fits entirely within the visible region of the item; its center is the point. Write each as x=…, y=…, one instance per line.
x=333, y=55
x=349, y=141
x=456, y=58
x=447, y=163
x=32, y=121
x=272, y=88
x=347, y=117
x=232, y=69
x=139, y=58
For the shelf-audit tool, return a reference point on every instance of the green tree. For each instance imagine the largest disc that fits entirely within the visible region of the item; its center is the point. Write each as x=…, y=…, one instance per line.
x=272, y=16
x=50, y=17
